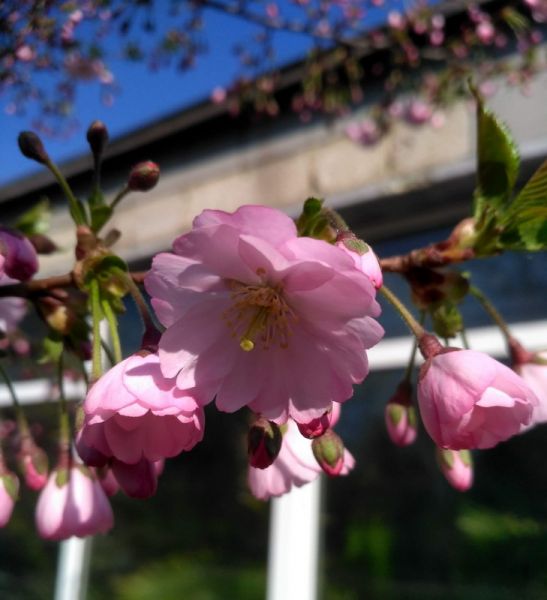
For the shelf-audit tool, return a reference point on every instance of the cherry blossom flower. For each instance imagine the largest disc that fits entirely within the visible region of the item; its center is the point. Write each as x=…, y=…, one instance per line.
x=73, y=503
x=295, y=465
x=134, y=413
x=257, y=316
x=469, y=400
x=534, y=372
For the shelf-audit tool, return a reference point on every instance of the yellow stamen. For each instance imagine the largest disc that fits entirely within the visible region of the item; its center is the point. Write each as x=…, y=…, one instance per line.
x=259, y=312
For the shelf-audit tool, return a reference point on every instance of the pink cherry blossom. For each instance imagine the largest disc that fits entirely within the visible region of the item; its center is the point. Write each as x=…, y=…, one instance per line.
x=132, y=413
x=137, y=480
x=457, y=467
x=295, y=465
x=73, y=503
x=469, y=400
x=535, y=375
x=257, y=316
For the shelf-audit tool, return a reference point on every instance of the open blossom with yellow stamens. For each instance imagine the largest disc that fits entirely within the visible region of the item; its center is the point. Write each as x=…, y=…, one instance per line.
x=256, y=316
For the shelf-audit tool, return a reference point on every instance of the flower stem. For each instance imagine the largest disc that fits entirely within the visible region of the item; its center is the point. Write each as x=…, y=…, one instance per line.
x=76, y=209
x=151, y=331
x=415, y=327
x=492, y=312
x=22, y=422
x=412, y=358
x=96, y=317
x=113, y=329
x=119, y=196
x=64, y=421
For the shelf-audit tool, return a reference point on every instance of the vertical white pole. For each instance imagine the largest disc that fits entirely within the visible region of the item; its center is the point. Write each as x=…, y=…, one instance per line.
x=294, y=544
x=73, y=569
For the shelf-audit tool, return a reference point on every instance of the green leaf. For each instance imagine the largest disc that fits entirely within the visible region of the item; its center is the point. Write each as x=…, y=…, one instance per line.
x=525, y=223
x=96, y=198
x=36, y=220
x=498, y=162
x=99, y=215
x=52, y=349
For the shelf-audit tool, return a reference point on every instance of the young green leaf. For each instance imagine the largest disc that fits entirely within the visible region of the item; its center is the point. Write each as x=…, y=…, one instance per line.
x=498, y=162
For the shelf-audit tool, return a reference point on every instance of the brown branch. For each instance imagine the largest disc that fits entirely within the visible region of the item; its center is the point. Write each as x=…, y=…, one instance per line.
x=38, y=287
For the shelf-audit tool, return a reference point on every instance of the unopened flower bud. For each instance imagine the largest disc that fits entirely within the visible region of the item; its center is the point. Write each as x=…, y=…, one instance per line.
x=33, y=462
x=42, y=243
x=328, y=451
x=401, y=419
x=31, y=146
x=315, y=427
x=263, y=443
x=18, y=254
x=457, y=467
x=143, y=176
x=97, y=137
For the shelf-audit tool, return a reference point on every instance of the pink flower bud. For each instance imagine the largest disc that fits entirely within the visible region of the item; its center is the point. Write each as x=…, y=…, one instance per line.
x=329, y=452
x=31, y=146
x=19, y=256
x=316, y=427
x=400, y=415
x=469, y=400
x=263, y=443
x=143, y=176
x=457, y=467
x=9, y=491
x=33, y=462
x=363, y=256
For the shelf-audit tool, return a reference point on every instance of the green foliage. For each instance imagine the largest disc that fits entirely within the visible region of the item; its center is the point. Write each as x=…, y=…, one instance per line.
x=498, y=163
x=182, y=577
x=35, y=220
x=525, y=222
x=505, y=221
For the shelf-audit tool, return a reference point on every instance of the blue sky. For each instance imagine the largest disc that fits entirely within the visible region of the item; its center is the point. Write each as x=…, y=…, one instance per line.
x=144, y=95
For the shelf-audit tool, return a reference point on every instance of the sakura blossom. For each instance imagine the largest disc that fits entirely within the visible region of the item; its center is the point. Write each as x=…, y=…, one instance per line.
x=259, y=317
x=534, y=373
x=72, y=503
x=469, y=400
x=133, y=413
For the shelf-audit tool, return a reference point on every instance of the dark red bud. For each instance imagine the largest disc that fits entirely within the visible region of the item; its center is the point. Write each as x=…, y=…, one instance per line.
x=97, y=137
x=31, y=146
x=316, y=427
x=143, y=176
x=263, y=443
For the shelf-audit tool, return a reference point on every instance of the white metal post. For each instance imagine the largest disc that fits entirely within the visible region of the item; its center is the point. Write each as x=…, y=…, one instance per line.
x=293, y=551
x=73, y=569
